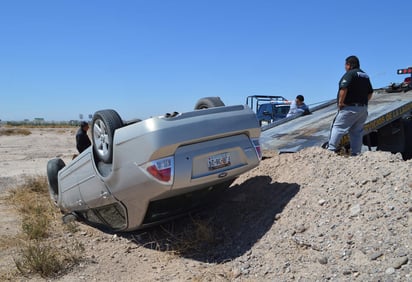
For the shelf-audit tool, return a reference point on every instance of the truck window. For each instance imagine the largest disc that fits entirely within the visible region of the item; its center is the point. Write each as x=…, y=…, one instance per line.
x=265, y=107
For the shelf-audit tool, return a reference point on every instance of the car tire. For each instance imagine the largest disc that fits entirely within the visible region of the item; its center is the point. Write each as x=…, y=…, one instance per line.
x=53, y=168
x=209, y=102
x=104, y=124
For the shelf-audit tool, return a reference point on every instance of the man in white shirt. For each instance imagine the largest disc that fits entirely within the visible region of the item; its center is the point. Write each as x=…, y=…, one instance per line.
x=298, y=107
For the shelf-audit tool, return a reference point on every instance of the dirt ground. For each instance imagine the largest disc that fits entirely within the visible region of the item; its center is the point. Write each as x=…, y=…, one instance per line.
x=307, y=216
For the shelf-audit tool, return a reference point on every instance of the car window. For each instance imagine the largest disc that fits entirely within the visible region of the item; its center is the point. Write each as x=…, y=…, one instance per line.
x=112, y=215
x=90, y=216
x=284, y=110
x=265, y=107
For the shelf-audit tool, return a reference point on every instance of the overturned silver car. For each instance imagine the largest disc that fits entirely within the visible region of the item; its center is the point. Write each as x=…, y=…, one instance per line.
x=143, y=172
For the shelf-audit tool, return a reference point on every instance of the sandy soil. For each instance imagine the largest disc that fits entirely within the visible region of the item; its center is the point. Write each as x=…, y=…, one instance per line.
x=308, y=216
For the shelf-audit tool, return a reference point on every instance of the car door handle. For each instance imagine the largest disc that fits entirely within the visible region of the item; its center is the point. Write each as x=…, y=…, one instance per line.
x=104, y=194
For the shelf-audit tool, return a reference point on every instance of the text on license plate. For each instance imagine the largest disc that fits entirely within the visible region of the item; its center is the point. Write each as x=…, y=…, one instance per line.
x=218, y=161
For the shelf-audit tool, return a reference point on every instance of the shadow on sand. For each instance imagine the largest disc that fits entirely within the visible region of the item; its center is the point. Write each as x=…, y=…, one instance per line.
x=226, y=228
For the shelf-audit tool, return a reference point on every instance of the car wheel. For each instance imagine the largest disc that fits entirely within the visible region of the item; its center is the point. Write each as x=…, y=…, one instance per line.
x=53, y=168
x=209, y=102
x=104, y=124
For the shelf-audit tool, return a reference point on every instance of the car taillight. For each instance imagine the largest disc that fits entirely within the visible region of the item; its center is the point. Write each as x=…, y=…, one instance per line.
x=161, y=170
x=256, y=144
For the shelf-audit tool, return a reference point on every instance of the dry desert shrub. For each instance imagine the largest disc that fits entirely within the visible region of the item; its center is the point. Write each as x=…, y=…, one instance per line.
x=40, y=253
x=194, y=238
x=39, y=258
x=32, y=202
x=14, y=131
x=46, y=259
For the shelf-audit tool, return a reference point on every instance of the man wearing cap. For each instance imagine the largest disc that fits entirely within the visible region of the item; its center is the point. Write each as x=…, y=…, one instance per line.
x=82, y=140
x=355, y=90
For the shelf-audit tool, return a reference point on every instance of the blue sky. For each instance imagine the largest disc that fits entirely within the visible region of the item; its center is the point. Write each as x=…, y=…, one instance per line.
x=59, y=59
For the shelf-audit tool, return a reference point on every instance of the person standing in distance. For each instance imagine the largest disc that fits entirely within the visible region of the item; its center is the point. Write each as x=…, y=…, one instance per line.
x=355, y=91
x=82, y=140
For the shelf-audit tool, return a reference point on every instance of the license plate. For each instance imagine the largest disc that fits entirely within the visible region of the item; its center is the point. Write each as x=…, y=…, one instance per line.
x=218, y=161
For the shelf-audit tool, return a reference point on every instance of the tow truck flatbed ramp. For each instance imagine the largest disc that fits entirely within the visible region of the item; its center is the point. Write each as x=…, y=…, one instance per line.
x=299, y=132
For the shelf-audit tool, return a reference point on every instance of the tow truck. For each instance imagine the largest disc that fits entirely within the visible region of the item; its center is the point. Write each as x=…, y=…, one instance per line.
x=404, y=86
x=387, y=128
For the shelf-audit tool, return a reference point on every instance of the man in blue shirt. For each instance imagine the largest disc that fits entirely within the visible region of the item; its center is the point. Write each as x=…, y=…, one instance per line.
x=355, y=90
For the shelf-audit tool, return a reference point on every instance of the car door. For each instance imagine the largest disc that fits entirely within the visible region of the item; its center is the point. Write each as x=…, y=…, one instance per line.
x=81, y=186
x=93, y=190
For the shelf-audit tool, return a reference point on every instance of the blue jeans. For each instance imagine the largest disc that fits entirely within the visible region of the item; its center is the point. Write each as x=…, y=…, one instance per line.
x=350, y=120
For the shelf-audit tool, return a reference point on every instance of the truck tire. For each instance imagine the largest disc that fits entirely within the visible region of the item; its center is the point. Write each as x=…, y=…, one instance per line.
x=209, y=102
x=104, y=124
x=53, y=168
x=407, y=129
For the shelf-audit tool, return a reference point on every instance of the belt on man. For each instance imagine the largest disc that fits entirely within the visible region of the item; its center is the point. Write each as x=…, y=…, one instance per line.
x=356, y=105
